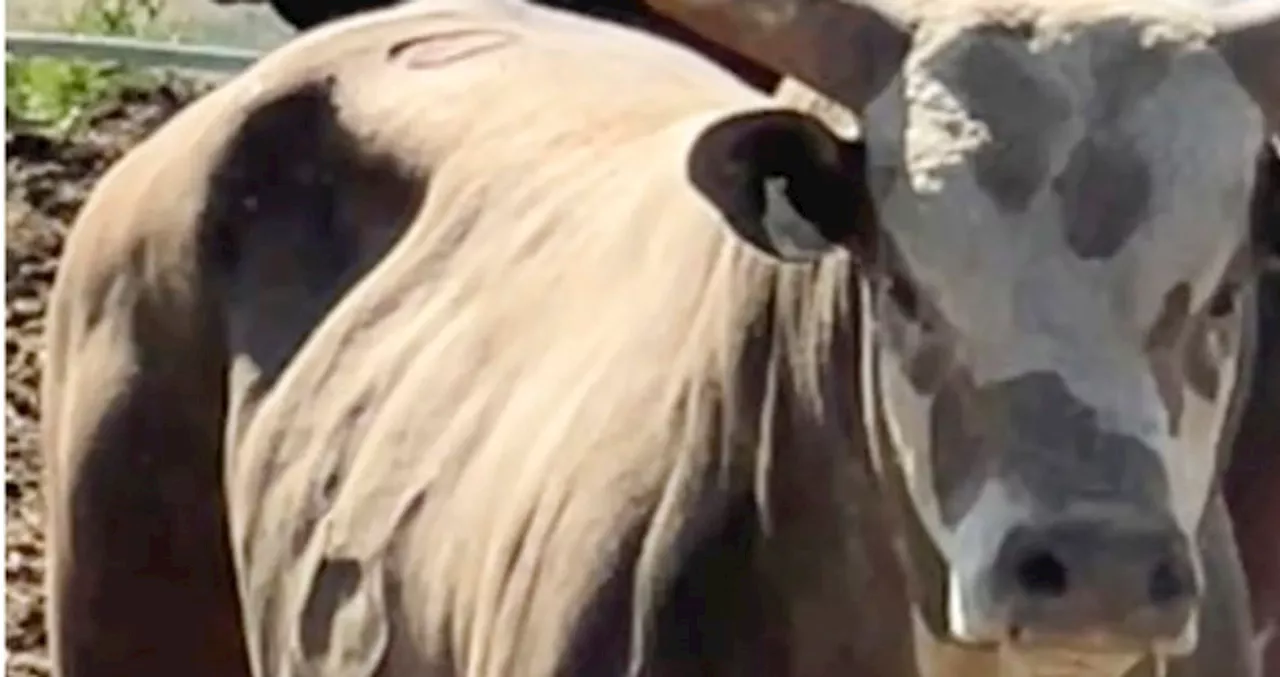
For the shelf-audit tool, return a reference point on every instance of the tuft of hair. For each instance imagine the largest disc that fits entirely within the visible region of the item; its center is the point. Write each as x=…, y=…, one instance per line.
x=581, y=364
x=567, y=335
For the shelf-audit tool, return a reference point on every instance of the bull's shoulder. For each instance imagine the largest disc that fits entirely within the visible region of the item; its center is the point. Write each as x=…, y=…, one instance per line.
x=140, y=223
x=130, y=283
x=339, y=135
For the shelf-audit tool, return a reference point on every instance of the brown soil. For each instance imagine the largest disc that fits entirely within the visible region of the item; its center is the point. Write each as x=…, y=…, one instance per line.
x=47, y=179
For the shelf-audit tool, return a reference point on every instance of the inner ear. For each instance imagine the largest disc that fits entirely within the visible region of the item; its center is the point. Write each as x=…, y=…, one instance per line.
x=783, y=180
x=1266, y=205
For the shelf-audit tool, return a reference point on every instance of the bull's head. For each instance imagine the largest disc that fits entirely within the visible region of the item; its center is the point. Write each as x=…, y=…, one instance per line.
x=1059, y=305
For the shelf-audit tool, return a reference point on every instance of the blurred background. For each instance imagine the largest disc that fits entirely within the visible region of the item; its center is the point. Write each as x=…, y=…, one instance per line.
x=187, y=21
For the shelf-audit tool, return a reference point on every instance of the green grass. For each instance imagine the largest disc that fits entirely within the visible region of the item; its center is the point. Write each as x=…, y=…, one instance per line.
x=131, y=18
x=56, y=96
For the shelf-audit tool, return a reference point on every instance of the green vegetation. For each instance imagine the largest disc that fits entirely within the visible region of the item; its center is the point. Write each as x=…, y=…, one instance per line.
x=130, y=18
x=56, y=96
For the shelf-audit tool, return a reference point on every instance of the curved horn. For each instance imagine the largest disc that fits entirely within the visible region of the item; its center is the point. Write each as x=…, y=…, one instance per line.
x=845, y=49
x=1249, y=37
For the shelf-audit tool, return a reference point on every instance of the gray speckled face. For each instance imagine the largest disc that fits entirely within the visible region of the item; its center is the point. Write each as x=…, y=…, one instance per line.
x=1057, y=329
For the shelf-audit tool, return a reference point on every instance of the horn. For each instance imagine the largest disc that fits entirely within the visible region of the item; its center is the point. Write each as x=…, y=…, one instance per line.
x=846, y=49
x=1248, y=35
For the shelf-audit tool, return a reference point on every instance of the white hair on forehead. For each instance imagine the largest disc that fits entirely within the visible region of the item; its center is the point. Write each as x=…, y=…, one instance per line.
x=1196, y=130
x=1189, y=145
x=1009, y=280
x=1049, y=13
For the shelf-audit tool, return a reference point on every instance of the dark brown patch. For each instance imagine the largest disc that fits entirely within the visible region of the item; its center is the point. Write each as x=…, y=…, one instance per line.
x=1200, y=361
x=1218, y=329
x=1164, y=342
x=1105, y=191
x=962, y=455
x=343, y=624
x=1175, y=311
x=1032, y=432
x=1106, y=187
x=141, y=574
x=903, y=307
x=998, y=87
x=336, y=581
x=299, y=210
x=926, y=363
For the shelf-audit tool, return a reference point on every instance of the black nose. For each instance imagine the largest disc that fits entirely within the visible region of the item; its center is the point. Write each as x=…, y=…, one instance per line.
x=1097, y=579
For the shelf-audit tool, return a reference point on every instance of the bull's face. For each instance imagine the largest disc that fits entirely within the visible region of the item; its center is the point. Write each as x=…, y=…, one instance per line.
x=1058, y=306
x=1059, y=318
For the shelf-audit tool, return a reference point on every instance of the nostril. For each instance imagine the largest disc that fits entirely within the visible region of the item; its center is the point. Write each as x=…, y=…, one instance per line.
x=1041, y=574
x=1168, y=583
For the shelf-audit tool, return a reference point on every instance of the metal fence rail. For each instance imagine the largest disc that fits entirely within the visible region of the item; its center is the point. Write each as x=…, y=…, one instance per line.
x=130, y=52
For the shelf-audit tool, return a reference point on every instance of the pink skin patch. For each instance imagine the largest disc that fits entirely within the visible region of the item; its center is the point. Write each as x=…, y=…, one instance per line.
x=442, y=49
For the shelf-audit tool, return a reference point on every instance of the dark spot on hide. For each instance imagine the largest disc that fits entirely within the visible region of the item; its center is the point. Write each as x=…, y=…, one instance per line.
x=912, y=325
x=1106, y=186
x=1189, y=347
x=1023, y=113
x=1035, y=435
x=299, y=208
x=1164, y=350
x=1201, y=361
x=961, y=453
x=1123, y=76
x=335, y=583
x=1105, y=191
x=1219, y=333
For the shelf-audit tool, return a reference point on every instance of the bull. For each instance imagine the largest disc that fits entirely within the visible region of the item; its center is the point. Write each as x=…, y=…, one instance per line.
x=1250, y=475
x=487, y=340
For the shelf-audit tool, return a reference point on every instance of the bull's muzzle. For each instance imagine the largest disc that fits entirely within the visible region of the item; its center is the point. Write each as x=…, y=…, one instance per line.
x=1092, y=584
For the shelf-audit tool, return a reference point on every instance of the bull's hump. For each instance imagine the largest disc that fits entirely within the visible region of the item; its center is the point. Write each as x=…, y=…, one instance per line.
x=438, y=50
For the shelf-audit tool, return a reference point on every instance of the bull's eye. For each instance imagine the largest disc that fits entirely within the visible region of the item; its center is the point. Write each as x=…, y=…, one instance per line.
x=1224, y=301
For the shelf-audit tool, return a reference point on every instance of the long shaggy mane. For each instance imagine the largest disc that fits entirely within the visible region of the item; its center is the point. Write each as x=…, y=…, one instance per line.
x=574, y=360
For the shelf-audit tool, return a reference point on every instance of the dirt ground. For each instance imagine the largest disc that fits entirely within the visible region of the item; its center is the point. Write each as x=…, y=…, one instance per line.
x=47, y=180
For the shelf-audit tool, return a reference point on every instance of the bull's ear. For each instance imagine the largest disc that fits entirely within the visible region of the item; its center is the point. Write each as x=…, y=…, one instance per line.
x=784, y=182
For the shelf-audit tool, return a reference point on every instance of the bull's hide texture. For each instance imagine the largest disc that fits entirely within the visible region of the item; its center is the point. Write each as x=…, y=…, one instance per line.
x=478, y=340
x=430, y=298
